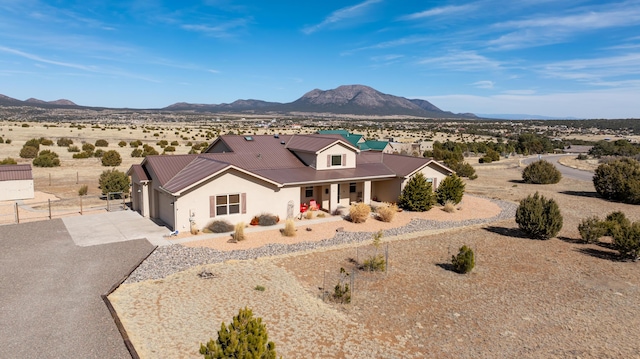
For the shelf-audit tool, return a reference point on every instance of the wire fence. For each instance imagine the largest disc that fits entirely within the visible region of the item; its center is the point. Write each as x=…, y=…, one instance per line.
x=29, y=211
x=341, y=286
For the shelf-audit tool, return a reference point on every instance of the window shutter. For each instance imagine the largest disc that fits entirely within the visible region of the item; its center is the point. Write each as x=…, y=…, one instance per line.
x=344, y=159
x=328, y=160
x=435, y=183
x=243, y=203
x=212, y=206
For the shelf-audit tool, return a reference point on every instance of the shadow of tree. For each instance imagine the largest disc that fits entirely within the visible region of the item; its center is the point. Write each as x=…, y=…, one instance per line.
x=571, y=240
x=446, y=266
x=517, y=181
x=602, y=254
x=588, y=194
x=507, y=232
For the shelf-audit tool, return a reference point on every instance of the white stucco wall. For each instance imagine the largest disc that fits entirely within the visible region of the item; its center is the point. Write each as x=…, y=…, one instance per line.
x=17, y=189
x=336, y=149
x=386, y=191
x=261, y=197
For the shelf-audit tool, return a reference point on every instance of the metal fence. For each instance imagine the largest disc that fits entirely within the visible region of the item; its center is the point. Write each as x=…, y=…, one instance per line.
x=29, y=211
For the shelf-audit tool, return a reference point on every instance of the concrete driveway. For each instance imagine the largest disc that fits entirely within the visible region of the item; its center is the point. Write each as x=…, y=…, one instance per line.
x=112, y=227
x=50, y=304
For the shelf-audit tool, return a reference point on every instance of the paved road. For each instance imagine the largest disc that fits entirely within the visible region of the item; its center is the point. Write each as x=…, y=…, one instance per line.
x=566, y=171
x=50, y=305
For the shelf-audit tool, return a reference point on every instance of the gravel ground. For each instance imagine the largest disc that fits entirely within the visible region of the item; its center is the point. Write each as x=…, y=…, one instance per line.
x=167, y=260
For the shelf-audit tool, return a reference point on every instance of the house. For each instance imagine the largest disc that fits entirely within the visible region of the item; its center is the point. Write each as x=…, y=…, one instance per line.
x=16, y=182
x=239, y=177
x=359, y=140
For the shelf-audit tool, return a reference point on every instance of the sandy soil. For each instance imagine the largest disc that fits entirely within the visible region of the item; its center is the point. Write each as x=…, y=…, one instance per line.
x=525, y=298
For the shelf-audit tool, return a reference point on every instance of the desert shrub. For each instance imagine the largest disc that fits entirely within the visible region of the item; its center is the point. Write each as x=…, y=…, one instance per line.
x=122, y=143
x=136, y=153
x=162, y=143
x=135, y=144
x=45, y=141
x=464, y=261
x=619, y=180
x=29, y=152
x=320, y=214
x=591, y=229
x=359, y=212
x=449, y=207
x=238, y=233
x=613, y=220
x=169, y=149
x=260, y=288
x=417, y=195
x=82, y=154
x=626, y=240
x=342, y=292
x=7, y=141
x=64, y=142
x=219, y=226
x=148, y=150
x=245, y=337
x=73, y=149
x=539, y=217
x=485, y=159
x=102, y=143
x=541, y=172
x=87, y=147
x=46, y=158
x=266, y=219
x=493, y=155
x=84, y=189
x=386, y=212
x=451, y=189
x=582, y=157
x=308, y=215
x=463, y=169
x=189, y=144
x=289, y=228
x=113, y=181
x=111, y=158
x=8, y=161
x=175, y=143
x=99, y=153
x=34, y=142
x=25, y=125
x=1, y=139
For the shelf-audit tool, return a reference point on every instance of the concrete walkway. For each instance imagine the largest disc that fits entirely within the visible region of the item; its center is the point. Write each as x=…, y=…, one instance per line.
x=50, y=288
x=112, y=227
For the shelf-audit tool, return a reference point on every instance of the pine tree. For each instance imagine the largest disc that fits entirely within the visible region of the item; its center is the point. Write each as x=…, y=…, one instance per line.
x=539, y=217
x=417, y=195
x=451, y=189
x=246, y=337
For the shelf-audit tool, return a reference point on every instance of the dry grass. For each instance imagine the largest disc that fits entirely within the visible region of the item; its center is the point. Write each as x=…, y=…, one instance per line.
x=449, y=206
x=238, y=234
x=387, y=212
x=308, y=215
x=359, y=212
x=289, y=228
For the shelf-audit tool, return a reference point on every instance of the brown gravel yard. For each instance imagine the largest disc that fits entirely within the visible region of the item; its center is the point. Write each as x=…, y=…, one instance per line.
x=525, y=298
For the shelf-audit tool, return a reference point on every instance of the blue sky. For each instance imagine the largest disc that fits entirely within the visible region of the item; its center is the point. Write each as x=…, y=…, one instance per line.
x=543, y=57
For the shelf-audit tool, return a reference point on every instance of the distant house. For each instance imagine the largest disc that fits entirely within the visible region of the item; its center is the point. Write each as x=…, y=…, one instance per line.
x=359, y=141
x=577, y=149
x=16, y=182
x=239, y=177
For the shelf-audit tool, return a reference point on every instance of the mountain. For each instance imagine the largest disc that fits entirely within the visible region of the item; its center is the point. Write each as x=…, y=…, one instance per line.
x=8, y=101
x=500, y=116
x=346, y=100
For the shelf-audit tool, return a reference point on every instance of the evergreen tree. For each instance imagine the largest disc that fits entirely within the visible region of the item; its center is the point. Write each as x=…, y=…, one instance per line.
x=114, y=181
x=246, y=337
x=539, y=217
x=417, y=195
x=451, y=189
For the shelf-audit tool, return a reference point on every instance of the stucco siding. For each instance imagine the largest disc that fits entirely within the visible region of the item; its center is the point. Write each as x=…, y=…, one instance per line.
x=261, y=197
x=13, y=190
x=386, y=191
x=336, y=149
x=166, y=208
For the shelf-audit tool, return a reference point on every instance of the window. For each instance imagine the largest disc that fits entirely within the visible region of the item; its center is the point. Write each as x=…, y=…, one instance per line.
x=336, y=160
x=308, y=192
x=227, y=204
x=352, y=187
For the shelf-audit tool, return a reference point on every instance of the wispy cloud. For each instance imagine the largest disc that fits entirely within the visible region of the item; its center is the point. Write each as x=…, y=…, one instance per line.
x=439, y=11
x=222, y=30
x=341, y=15
x=484, y=84
x=47, y=61
x=594, y=69
x=462, y=61
x=544, y=30
x=404, y=41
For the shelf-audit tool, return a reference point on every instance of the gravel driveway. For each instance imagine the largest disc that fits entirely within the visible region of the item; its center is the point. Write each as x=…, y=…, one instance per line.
x=50, y=303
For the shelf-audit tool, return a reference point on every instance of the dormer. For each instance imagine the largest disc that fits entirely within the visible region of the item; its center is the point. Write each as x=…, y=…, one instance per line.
x=323, y=152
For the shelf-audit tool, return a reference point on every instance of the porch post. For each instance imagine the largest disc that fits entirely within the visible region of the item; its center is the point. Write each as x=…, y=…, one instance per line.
x=366, y=192
x=333, y=197
x=144, y=200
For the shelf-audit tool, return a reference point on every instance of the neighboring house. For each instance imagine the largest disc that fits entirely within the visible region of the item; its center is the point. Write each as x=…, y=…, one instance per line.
x=16, y=182
x=239, y=177
x=359, y=140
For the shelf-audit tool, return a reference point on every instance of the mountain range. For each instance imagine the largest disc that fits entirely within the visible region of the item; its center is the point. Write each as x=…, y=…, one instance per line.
x=343, y=100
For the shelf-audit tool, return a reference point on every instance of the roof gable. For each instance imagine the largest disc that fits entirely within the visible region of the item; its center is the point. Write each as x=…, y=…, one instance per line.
x=316, y=143
x=15, y=172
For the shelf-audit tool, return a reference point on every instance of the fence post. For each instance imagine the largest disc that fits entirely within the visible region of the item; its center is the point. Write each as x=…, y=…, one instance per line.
x=49, y=200
x=386, y=258
x=108, y=207
x=353, y=284
x=17, y=214
x=81, y=205
x=49, y=179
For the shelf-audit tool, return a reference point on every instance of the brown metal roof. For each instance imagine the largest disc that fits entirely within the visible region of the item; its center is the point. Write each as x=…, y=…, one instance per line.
x=139, y=171
x=265, y=156
x=15, y=172
x=315, y=143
